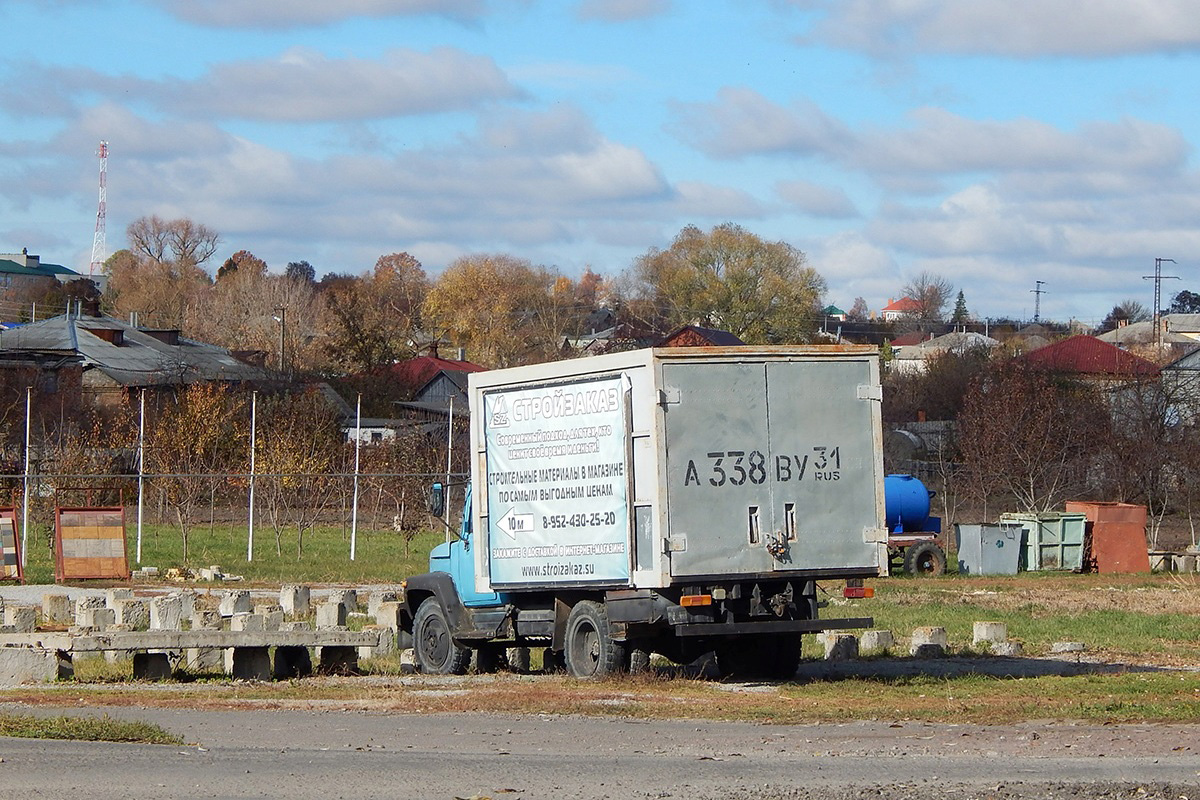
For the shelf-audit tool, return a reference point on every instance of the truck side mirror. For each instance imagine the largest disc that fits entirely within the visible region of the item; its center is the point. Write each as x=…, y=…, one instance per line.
x=437, y=499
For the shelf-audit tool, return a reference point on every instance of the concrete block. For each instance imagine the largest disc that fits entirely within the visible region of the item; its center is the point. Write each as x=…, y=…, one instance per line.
x=84, y=605
x=376, y=599
x=841, y=647
x=292, y=662
x=205, y=659
x=272, y=620
x=187, y=604
x=1185, y=563
x=876, y=640
x=166, y=613
x=1068, y=647
x=331, y=614
x=387, y=643
x=96, y=619
x=23, y=618
x=246, y=622
x=389, y=614
x=294, y=600
x=111, y=596
x=249, y=663
x=207, y=619
x=266, y=608
x=56, y=609
x=33, y=665
x=989, y=633
x=337, y=660
x=347, y=597
x=928, y=642
x=235, y=601
x=151, y=666
x=1006, y=649
x=117, y=656
x=132, y=611
x=296, y=625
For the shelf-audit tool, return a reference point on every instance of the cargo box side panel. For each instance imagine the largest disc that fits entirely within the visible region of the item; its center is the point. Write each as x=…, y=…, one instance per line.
x=719, y=495
x=824, y=466
x=555, y=466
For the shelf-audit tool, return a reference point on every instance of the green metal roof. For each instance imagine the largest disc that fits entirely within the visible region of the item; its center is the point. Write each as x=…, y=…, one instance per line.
x=8, y=267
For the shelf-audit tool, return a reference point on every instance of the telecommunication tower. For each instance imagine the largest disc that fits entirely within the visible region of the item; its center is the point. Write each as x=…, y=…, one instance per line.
x=98, y=239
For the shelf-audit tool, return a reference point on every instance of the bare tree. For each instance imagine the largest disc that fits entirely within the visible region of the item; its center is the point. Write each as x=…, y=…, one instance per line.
x=932, y=293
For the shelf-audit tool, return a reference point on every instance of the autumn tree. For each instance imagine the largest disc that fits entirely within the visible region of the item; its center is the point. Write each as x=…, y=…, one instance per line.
x=859, y=312
x=1029, y=437
x=932, y=293
x=299, y=448
x=371, y=318
x=192, y=442
x=729, y=278
x=162, y=272
x=504, y=310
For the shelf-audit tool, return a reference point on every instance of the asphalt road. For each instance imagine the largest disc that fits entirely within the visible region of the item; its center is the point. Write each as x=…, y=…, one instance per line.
x=340, y=754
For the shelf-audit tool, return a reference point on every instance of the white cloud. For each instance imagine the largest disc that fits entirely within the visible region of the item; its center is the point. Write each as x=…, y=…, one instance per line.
x=1096, y=28
x=816, y=200
x=270, y=14
x=743, y=122
x=622, y=10
x=298, y=86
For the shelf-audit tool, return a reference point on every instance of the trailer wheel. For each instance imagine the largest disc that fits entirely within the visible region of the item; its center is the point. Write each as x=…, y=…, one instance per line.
x=925, y=558
x=434, y=649
x=588, y=644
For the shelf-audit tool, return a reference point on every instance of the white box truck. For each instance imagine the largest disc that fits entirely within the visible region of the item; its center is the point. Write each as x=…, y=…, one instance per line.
x=677, y=501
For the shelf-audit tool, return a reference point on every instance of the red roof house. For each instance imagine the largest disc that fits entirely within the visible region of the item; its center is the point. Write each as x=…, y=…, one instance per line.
x=899, y=309
x=1091, y=357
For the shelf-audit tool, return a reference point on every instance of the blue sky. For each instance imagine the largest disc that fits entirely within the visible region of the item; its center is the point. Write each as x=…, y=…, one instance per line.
x=990, y=142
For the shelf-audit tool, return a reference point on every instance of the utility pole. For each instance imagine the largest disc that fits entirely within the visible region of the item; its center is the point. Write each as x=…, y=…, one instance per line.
x=1158, y=277
x=1037, y=300
x=281, y=317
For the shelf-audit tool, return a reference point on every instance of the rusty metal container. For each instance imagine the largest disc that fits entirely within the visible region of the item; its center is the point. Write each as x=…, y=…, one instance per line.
x=1117, y=533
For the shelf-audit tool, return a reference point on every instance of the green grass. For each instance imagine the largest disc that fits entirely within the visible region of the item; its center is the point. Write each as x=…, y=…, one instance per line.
x=91, y=729
x=379, y=555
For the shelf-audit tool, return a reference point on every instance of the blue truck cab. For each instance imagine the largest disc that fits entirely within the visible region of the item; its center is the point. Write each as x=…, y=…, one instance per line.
x=456, y=559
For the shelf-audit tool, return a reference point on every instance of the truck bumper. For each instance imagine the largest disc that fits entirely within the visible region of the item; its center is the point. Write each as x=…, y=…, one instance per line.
x=707, y=629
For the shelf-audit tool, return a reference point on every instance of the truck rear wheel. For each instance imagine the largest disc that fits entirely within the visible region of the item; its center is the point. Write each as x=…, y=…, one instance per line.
x=588, y=643
x=925, y=558
x=434, y=649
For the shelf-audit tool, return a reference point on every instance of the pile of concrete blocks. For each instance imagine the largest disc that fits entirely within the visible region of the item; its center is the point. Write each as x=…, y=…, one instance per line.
x=925, y=642
x=994, y=637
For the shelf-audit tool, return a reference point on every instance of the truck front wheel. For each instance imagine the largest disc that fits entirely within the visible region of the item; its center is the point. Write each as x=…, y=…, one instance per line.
x=434, y=649
x=588, y=643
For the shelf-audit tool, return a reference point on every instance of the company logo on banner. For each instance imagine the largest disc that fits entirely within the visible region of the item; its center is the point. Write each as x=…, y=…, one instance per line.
x=557, y=483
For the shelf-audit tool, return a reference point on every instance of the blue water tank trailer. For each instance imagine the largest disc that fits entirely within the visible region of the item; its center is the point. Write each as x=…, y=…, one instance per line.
x=906, y=502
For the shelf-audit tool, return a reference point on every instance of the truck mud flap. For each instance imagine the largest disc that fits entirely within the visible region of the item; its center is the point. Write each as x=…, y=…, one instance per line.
x=773, y=626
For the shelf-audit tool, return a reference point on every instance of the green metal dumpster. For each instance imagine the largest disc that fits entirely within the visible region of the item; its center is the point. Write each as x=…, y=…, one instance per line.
x=1053, y=540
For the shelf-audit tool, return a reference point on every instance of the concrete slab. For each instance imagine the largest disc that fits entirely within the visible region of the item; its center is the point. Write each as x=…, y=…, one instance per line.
x=20, y=665
x=132, y=611
x=235, y=601
x=22, y=618
x=989, y=633
x=871, y=641
x=166, y=613
x=928, y=642
x=841, y=647
x=331, y=614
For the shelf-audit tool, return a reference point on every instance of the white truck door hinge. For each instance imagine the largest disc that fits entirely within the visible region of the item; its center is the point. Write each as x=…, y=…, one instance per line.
x=870, y=392
x=668, y=395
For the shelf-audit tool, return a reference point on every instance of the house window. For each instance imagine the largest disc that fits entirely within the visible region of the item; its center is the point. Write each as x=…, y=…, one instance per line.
x=376, y=437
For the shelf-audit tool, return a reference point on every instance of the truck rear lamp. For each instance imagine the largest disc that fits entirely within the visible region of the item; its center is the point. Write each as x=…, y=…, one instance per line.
x=690, y=600
x=858, y=592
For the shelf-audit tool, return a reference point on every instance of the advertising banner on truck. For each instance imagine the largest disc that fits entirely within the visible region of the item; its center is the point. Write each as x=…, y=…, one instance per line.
x=557, y=483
